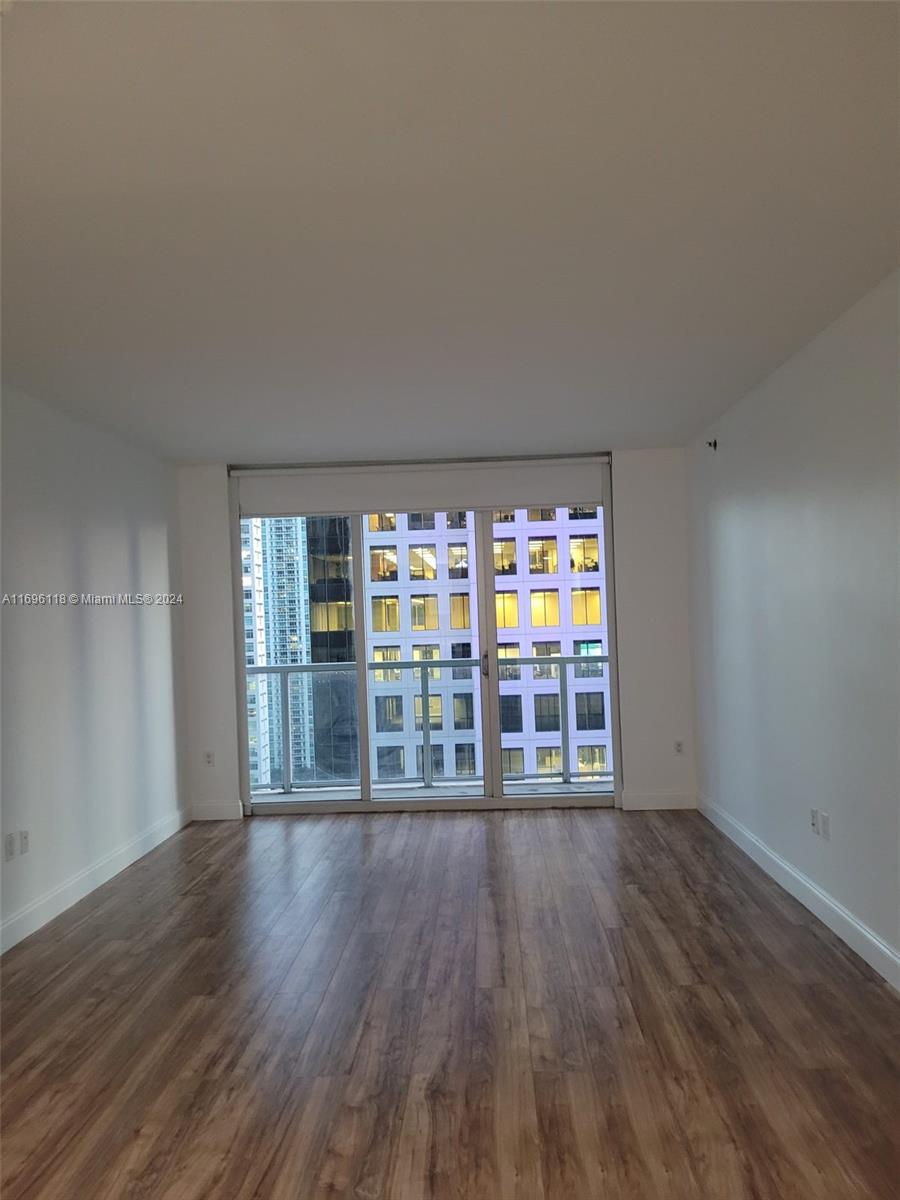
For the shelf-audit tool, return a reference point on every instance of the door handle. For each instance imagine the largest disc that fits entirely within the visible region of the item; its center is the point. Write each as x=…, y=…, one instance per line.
x=484, y=664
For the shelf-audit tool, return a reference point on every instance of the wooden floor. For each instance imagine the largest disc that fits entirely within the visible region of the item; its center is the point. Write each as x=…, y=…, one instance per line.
x=503, y=1006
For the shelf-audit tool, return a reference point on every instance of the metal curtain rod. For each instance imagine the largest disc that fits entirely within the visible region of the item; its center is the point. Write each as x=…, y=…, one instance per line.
x=246, y=468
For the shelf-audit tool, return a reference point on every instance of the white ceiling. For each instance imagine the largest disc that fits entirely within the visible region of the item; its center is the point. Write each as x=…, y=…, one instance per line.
x=276, y=232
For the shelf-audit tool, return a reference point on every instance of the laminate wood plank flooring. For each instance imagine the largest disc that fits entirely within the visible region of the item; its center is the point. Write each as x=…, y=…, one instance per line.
x=557, y=1005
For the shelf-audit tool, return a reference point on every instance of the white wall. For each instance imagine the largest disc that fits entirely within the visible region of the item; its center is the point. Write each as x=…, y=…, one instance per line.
x=797, y=623
x=652, y=548
x=89, y=710
x=209, y=662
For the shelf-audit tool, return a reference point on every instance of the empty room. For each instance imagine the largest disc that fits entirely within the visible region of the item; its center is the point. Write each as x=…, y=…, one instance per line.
x=450, y=623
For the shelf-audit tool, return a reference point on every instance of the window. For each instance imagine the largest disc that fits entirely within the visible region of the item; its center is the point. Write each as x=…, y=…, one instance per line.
x=388, y=714
x=390, y=762
x=326, y=616
x=459, y=610
x=505, y=557
x=386, y=654
x=542, y=558
x=435, y=712
x=503, y=516
x=423, y=612
x=513, y=760
x=385, y=614
x=580, y=513
x=382, y=522
x=465, y=759
x=588, y=650
x=585, y=606
x=464, y=711
x=510, y=714
x=508, y=650
x=549, y=760
x=551, y=650
x=383, y=560
x=456, y=520
x=458, y=561
x=422, y=520
x=423, y=654
x=461, y=650
x=546, y=714
x=422, y=562
x=542, y=514
x=437, y=761
x=507, y=604
x=589, y=710
x=591, y=759
x=545, y=608
x=584, y=554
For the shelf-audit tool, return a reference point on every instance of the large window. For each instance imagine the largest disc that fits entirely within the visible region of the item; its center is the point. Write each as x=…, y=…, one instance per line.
x=461, y=650
x=588, y=649
x=464, y=711
x=435, y=712
x=546, y=713
x=546, y=650
x=422, y=562
x=382, y=522
x=426, y=654
x=505, y=557
x=389, y=714
x=385, y=614
x=386, y=654
x=591, y=759
x=391, y=761
x=329, y=615
x=589, y=710
x=383, y=562
x=510, y=714
x=437, y=761
x=545, y=608
x=508, y=650
x=585, y=606
x=458, y=561
x=549, y=760
x=459, y=610
x=542, y=557
x=541, y=514
x=465, y=759
x=423, y=612
x=513, y=760
x=507, y=610
x=420, y=520
x=584, y=554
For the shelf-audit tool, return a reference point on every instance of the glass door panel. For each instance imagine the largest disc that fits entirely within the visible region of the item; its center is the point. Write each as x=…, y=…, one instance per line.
x=422, y=649
x=555, y=706
x=300, y=655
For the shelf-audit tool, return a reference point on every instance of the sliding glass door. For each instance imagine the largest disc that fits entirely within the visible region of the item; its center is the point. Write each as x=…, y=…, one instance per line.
x=439, y=655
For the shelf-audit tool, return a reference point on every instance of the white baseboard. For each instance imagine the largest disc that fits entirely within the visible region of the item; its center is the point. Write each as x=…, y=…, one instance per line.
x=878, y=953
x=217, y=812
x=650, y=800
x=30, y=918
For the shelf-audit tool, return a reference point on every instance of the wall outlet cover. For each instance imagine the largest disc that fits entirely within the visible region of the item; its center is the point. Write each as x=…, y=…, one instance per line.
x=9, y=846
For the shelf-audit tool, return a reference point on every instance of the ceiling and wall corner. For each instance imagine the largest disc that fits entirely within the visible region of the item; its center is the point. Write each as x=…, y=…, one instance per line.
x=318, y=232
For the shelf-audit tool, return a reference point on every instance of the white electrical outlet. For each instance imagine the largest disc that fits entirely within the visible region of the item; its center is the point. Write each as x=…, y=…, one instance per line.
x=23, y=841
x=814, y=820
x=825, y=826
x=9, y=846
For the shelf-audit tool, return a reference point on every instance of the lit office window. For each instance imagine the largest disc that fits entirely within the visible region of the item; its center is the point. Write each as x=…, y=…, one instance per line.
x=542, y=514
x=585, y=606
x=588, y=670
x=459, y=610
x=458, y=561
x=331, y=615
x=465, y=758
x=513, y=760
x=591, y=759
x=545, y=608
x=425, y=654
x=551, y=650
x=464, y=711
x=507, y=605
x=456, y=520
x=505, y=557
x=382, y=522
x=549, y=760
x=420, y=520
x=385, y=614
x=589, y=710
x=423, y=612
x=383, y=561
x=546, y=713
x=461, y=650
x=508, y=650
x=423, y=562
x=542, y=557
x=580, y=513
x=437, y=761
x=435, y=712
x=388, y=714
x=510, y=714
x=386, y=654
x=584, y=554
x=391, y=762
x=503, y=516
